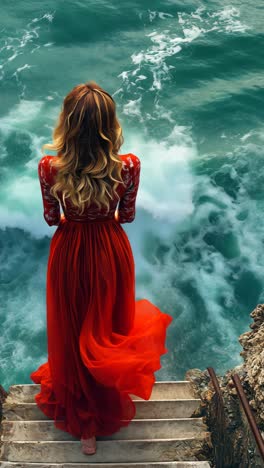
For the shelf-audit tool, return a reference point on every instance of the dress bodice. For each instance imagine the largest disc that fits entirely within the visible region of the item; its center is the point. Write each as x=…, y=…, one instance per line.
x=126, y=206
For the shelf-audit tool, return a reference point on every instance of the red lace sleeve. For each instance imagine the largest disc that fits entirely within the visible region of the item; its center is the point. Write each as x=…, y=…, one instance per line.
x=127, y=204
x=50, y=203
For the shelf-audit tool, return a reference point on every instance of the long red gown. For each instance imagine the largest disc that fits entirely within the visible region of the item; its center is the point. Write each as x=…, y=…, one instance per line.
x=103, y=345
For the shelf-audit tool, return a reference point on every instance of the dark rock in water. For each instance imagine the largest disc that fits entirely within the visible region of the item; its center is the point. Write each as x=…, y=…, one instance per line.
x=234, y=445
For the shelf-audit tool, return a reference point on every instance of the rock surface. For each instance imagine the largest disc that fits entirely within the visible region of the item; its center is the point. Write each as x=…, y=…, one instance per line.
x=253, y=354
x=234, y=444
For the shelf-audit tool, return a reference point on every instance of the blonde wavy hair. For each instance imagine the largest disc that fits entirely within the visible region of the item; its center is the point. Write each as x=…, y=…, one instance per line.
x=87, y=138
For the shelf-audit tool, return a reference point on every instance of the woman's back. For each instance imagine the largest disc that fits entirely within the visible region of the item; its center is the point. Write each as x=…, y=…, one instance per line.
x=127, y=193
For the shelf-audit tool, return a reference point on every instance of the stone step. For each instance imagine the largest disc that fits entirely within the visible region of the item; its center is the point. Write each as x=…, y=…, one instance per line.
x=145, y=409
x=108, y=451
x=137, y=429
x=164, y=390
x=173, y=464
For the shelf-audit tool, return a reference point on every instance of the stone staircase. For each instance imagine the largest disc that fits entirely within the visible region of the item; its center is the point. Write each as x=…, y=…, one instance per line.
x=165, y=433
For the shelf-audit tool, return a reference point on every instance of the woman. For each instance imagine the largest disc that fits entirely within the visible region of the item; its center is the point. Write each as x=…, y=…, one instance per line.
x=103, y=346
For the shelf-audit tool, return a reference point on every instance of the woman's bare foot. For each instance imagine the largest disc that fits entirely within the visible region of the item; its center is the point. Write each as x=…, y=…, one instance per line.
x=89, y=445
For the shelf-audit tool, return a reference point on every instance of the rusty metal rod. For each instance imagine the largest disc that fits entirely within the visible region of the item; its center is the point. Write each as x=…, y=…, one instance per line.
x=249, y=414
x=215, y=382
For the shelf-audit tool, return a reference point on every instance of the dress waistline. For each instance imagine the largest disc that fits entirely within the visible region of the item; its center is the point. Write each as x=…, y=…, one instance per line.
x=96, y=220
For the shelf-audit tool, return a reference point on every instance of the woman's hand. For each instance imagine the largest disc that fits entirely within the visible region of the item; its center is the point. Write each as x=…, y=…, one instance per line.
x=116, y=215
x=62, y=218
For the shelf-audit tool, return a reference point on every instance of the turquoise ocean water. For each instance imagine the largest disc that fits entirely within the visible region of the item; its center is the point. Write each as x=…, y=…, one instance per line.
x=187, y=78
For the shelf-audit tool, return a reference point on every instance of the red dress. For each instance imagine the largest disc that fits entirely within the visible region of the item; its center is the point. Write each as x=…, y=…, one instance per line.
x=103, y=345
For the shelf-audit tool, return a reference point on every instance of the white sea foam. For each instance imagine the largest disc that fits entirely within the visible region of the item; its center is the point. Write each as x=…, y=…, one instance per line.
x=248, y=135
x=24, y=113
x=166, y=180
x=32, y=222
x=194, y=263
x=19, y=69
x=158, y=14
x=27, y=40
x=225, y=20
x=205, y=269
x=133, y=108
x=169, y=40
x=48, y=16
x=25, y=314
x=21, y=191
x=153, y=14
x=228, y=20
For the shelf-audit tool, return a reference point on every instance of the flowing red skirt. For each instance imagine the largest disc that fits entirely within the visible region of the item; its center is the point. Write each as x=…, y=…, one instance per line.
x=103, y=346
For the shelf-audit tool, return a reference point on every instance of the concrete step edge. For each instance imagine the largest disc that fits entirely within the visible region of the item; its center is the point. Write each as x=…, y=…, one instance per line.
x=133, y=421
x=159, y=382
x=169, y=388
x=15, y=404
x=169, y=464
x=199, y=436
